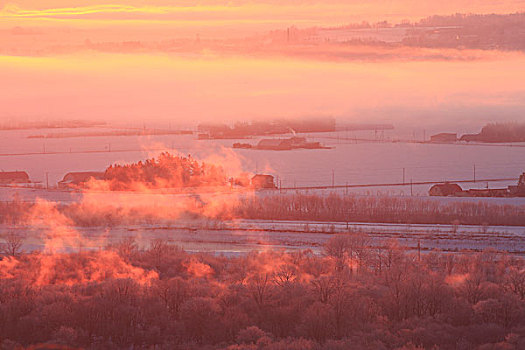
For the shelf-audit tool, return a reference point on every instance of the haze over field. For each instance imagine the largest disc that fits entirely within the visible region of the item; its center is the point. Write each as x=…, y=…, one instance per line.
x=184, y=62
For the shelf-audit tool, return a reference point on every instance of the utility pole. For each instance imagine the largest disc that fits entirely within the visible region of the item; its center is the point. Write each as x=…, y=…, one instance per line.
x=403, y=176
x=333, y=178
x=47, y=181
x=411, y=191
x=474, y=173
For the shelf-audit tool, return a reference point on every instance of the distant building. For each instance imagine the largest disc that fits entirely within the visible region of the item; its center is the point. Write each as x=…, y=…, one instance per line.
x=263, y=181
x=444, y=137
x=275, y=144
x=470, y=138
x=242, y=145
x=78, y=179
x=300, y=142
x=446, y=189
x=519, y=189
x=14, y=177
x=295, y=142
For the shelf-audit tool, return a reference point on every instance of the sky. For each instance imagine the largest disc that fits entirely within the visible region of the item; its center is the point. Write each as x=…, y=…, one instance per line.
x=76, y=59
x=330, y=11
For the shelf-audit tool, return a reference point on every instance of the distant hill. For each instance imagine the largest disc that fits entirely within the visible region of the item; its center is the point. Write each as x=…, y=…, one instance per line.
x=504, y=32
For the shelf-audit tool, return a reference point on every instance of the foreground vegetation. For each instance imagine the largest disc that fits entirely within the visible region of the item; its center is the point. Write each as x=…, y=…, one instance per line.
x=351, y=297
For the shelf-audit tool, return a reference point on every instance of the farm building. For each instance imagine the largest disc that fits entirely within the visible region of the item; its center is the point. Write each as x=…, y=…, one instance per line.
x=76, y=179
x=446, y=189
x=14, y=177
x=263, y=181
x=444, y=137
x=519, y=189
x=287, y=144
x=275, y=144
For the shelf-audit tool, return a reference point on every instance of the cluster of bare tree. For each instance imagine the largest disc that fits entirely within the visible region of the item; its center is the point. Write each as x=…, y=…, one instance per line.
x=500, y=132
x=350, y=297
x=166, y=170
x=335, y=207
x=14, y=211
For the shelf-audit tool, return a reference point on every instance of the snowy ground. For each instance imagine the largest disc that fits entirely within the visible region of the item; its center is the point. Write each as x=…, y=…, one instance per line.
x=346, y=163
x=243, y=236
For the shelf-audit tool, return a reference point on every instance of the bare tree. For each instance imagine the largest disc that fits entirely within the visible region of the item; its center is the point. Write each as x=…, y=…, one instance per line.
x=325, y=286
x=346, y=248
x=173, y=293
x=127, y=248
x=285, y=275
x=472, y=288
x=259, y=286
x=158, y=250
x=515, y=282
x=13, y=244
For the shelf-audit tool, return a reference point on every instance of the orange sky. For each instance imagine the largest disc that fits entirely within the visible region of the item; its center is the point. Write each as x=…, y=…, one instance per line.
x=202, y=85
x=236, y=16
x=136, y=88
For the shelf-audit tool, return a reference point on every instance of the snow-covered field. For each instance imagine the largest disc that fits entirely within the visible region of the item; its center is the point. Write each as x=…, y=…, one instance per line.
x=243, y=236
x=345, y=163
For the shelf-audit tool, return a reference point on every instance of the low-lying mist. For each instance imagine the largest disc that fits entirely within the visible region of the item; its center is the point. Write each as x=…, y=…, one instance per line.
x=130, y=89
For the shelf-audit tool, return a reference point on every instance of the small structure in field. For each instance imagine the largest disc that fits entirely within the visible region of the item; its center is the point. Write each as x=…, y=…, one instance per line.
x=14, y=177
x=263, y=181
x=79, y=179
x=294, y=142
x=275, y=144
x=444, y=137
x=446, y=189
x=242, y=145
x=519, y=189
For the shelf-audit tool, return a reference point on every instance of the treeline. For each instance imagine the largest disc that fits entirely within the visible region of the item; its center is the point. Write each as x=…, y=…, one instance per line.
x=351, y=297
x=499, y=132
x=501, y=32
x=385, y=209
x=474, y=20
x=308, y=207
